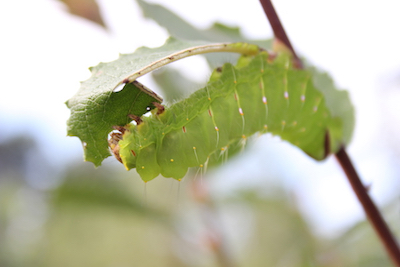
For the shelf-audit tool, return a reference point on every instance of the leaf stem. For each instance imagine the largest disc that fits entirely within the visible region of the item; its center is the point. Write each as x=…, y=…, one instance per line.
x=373, y=214
x=370, y=209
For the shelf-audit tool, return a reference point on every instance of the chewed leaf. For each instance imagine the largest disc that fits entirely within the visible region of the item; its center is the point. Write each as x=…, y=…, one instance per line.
x=93, y=117
x=98, y=106
x=261, y=94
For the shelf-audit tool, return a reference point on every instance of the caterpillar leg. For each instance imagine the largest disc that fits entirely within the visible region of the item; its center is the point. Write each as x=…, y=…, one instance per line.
x=160, y=108
x=121, y=129
x=137, y=119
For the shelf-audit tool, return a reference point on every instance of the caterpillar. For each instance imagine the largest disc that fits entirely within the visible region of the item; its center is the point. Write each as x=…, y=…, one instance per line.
x=262, y=93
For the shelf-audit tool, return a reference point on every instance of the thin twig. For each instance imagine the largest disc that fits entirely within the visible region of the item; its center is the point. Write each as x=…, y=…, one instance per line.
x=373, y=214
x=279, y=31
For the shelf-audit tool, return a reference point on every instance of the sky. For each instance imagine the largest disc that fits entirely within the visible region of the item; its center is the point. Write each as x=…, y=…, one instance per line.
x=46, y=52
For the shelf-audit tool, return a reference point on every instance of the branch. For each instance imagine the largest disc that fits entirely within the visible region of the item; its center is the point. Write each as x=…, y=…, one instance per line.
x=370, y=209
x=279, y=31
x=368, y=205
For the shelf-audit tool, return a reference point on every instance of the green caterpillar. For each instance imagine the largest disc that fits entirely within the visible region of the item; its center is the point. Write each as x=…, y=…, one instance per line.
x=261, y=94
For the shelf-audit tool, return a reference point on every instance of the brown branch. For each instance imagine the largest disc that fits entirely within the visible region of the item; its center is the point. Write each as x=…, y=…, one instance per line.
x=370, y=209
x=278, y=29
x=368, y=205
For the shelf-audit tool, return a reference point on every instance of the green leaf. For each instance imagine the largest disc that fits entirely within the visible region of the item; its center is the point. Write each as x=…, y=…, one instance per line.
x=338, y=102
x=97, y=107
x=93, y=115
x=181, y=29
x=174, y=85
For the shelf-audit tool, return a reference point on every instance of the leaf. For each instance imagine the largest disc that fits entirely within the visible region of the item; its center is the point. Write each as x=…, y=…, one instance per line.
x=338, y=102
x=174, y=85
x=262, y=94
x=97, y=107
x=181, y=29
x=94, y=114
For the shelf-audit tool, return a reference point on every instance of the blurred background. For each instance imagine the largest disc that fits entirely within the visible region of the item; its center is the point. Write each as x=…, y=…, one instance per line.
x=270, y=206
